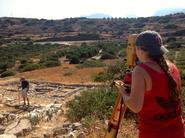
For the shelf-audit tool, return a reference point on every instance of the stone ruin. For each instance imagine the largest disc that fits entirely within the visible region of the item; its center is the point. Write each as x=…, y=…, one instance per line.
x=13, y=124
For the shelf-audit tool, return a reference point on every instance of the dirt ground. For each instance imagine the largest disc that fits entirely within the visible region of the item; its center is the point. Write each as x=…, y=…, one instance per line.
x=65, y=74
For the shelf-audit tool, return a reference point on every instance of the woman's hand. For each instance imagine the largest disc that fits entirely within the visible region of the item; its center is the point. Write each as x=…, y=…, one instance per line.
x=124, y=94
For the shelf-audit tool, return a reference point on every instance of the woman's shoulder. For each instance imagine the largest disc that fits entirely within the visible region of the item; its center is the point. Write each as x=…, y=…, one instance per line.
x=139, y=70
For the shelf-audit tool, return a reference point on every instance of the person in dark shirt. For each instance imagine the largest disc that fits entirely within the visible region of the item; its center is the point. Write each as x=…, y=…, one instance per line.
x=25, y=89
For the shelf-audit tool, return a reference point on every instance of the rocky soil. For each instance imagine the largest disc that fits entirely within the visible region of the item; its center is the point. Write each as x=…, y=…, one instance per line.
x=45, y=117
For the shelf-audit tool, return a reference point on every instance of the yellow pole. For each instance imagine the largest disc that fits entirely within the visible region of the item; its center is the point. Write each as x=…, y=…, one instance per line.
x=131, y=50
x=120, y=108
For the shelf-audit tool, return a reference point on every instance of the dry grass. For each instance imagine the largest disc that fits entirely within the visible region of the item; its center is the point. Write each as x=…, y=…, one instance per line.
x=57, y=74
x=128, y=129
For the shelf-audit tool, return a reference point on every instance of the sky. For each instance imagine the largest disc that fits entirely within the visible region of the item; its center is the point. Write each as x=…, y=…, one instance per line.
x=59, y=9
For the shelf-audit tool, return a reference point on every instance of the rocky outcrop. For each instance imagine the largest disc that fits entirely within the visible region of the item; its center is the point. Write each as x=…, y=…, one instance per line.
x=19, y=128
x=6, y=118
x=67, y=130
x=47, y=113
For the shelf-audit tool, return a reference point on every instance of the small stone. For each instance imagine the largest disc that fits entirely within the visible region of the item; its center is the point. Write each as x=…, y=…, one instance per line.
x=59, y=131
x=7, y=136
x=2, y=129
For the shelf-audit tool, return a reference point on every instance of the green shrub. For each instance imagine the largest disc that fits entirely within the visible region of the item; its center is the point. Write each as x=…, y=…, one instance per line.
x=24, y=61
x=5, y=64
x=76, y=54
x=170, y=39
x=61, y=53
x=180, y=60
x=96, y=102
x=174, y=44
x=29, y=67
x=74, y=59
x=106, y=55
x=51, y=63
x=87, y=121
x=34, y=120
x=171, y=55
x=53, y=57
x=101, y=77
x=139, y=25
x=164, y=20
x=113, y=71
x=23, y=53
x=180, y=32
x=117, y=69
x=122, y=53
x=182, y=74
x=92, y=63
x=7, y=73
x=170, y=26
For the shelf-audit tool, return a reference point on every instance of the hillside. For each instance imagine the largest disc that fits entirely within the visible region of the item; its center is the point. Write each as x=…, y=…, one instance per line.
x=71, y=29
x=69, y=81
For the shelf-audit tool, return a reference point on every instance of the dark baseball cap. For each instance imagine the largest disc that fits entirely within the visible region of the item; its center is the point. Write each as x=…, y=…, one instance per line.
x=151, y=42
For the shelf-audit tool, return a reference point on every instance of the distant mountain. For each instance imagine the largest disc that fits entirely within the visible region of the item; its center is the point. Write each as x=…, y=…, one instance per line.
x=98, y=15
x=168, y=11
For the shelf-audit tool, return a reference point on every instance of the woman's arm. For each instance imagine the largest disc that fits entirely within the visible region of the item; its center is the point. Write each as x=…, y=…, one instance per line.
x=136, y=98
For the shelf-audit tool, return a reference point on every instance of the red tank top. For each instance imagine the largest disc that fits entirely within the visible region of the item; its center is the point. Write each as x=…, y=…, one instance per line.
x=160, y=117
